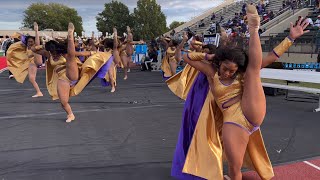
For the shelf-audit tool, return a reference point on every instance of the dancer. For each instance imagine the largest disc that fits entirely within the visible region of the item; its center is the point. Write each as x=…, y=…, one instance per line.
x=232, y=110
x=126, y=52
x=66, y=75
x=22, y=61
x=109, y=58
x=169, y=63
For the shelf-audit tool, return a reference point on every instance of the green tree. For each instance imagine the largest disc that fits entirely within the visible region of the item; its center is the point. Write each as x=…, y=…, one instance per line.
x=115, y=14
x=52, y=16
x=150, y=21
x=175, y=24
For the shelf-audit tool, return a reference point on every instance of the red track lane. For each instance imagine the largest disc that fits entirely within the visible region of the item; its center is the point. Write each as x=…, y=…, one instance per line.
x=294, y=171
x=315, y=162
x=3, y=62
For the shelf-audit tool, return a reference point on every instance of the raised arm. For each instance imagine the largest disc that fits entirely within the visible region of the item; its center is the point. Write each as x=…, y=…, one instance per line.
x=195, y=60
x=116, y=54
x=180, y=47
x=166, y=45
x=84, y=53
x=37, y=57
x=295, y=32
x=38, y=49
x=129, y=48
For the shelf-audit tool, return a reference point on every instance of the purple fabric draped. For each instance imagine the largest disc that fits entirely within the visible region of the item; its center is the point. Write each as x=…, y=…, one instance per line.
x=103, y=71
x=165, y=78
x=192, y=109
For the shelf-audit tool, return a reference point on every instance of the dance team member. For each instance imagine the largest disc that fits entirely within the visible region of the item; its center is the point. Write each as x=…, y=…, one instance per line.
x=227, y=110
x=22, y=61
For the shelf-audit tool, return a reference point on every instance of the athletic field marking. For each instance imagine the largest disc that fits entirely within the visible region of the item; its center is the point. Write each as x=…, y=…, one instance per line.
x=312, y=165
x=29, y=89
x=149, y=84
x=146, y=84
x=227, y=177
x=84, y=111
x=21, y=89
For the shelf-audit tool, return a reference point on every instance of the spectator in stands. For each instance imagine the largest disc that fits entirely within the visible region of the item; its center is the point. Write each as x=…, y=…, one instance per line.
x=201, y=24
x=173, y=32
x=317, y=5
x=284, y=4
x=265, y=17
x=244, y=11
x=317, y=22
x=260, y=32
x=221, y=19
x=271, y=15
x=309, y=20
x=213, y=17
x=213, y=28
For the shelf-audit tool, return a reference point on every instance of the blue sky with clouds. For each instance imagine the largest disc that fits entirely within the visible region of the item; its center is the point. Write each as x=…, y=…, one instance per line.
x=11, y=13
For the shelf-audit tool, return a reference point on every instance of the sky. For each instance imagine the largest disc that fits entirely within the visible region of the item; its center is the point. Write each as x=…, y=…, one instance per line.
x=11, y=11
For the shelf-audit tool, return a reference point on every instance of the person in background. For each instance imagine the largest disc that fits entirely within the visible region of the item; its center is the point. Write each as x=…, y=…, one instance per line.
x=14, y=38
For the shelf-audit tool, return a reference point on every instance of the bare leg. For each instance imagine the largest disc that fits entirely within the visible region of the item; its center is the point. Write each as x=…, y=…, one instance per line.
x=71, y=65
x=253, y=99
x=125, y=66
x=32, y=72
x=63, y=93
x=128, y=62
x=235, y=141
x=112, y=80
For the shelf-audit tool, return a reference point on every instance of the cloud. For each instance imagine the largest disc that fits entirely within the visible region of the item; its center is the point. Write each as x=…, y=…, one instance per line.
x=11, y=13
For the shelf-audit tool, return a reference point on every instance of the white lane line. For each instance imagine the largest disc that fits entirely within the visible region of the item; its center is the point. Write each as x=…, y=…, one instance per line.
x=312, y=165
x=6, y=90
x=83, y=111
x=21, y=89
x=146, y=84
x=227, y=177
x=150, y=84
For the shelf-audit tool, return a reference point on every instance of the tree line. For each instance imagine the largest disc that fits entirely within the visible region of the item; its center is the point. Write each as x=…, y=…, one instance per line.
x=147, y=20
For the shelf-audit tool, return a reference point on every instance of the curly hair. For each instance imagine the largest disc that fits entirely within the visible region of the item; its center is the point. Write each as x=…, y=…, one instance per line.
x=233, y=54
x=57, y=47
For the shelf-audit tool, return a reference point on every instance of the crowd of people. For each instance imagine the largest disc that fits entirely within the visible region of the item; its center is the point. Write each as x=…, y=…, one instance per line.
x=225, y=102
x=217, y=116
x=70, y=62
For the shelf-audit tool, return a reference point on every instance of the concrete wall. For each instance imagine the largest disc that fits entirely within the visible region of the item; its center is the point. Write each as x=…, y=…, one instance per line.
x=296, y=57
x=285, y=24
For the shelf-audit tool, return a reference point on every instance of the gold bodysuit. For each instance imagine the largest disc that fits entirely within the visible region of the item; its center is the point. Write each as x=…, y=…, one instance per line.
x=205, y=154
x=56, y=70
x=224, y=94
x=18, y=61
x=168, y=58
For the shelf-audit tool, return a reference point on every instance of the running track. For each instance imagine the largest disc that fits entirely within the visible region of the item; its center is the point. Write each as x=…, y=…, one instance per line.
x=130, y=134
